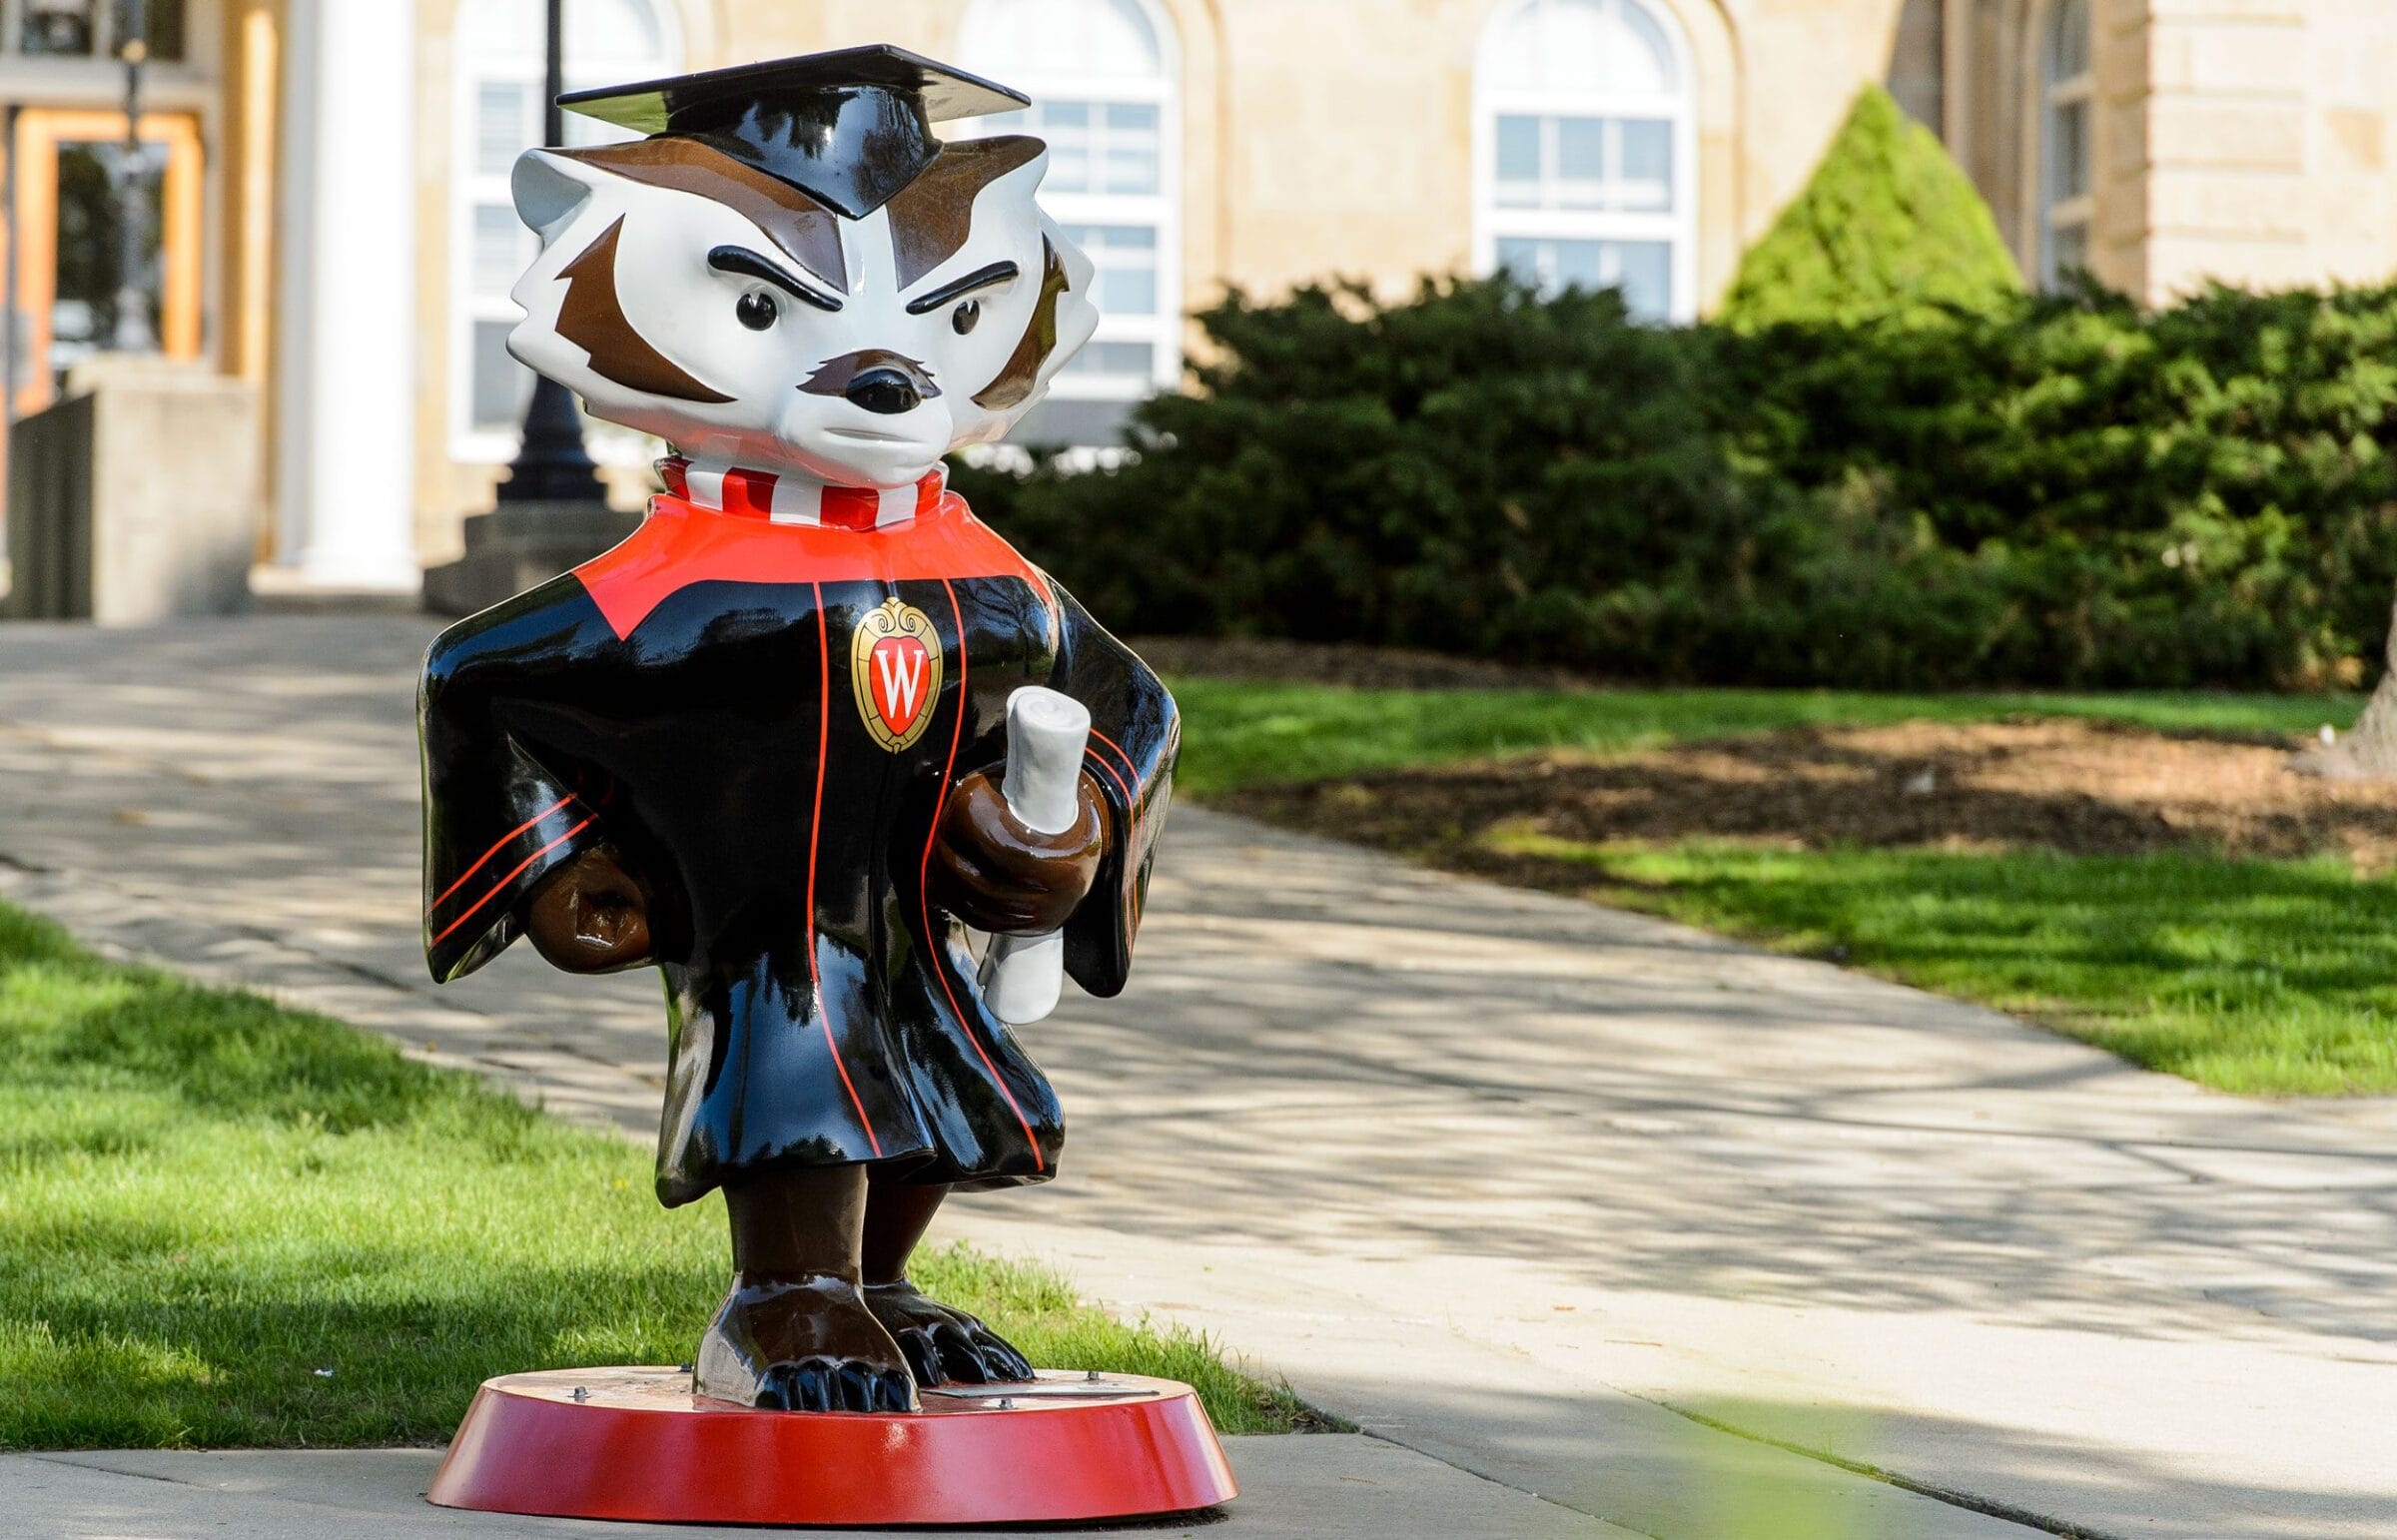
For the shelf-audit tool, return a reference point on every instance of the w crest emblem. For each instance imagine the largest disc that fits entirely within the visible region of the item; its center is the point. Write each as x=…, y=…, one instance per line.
x=895, y=668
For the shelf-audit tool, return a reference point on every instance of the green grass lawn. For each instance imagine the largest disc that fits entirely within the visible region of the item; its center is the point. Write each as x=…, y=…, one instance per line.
x=221, y=1224
x=1240, y=732
x=2256, y=976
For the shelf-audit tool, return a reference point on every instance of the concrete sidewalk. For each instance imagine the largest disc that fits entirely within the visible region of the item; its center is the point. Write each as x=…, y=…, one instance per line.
x=1666, y=1232
x=1336, y=1487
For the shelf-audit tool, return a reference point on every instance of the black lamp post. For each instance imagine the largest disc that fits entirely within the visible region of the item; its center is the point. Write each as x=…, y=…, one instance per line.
x=551, y=464
x=553, y=513
x=133, y=332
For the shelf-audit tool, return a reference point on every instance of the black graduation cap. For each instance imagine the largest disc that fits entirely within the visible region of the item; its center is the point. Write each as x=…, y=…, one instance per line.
x=851, y=127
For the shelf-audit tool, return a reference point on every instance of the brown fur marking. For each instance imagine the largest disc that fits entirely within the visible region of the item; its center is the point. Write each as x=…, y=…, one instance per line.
x=833, y=377
x=592, y=317
x=806, y=230
x=1023, y=367
x=932, y=216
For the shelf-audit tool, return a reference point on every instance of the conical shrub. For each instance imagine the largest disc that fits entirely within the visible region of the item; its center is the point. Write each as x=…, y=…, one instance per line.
x=1887, y=226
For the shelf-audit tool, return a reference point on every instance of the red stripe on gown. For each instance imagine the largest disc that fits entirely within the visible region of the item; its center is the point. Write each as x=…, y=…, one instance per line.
x=497, y=847
x=964, y=1024
x=815, y=839
x=502, y=885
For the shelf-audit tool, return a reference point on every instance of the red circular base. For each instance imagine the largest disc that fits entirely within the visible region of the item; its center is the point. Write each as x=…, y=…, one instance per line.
x=638, y=1445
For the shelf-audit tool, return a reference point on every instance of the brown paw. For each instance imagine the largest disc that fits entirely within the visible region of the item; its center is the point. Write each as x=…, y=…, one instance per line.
x=591, y=915
x=802, y=1345
x=997, y=875
x=941, y=1345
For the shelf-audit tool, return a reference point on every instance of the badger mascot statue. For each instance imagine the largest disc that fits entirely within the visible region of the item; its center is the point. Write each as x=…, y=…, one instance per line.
x=758, y=746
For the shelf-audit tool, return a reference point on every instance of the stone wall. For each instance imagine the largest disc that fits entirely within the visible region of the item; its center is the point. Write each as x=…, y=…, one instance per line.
x=2249, y=141
x=2243, y=139
x=2269, y=133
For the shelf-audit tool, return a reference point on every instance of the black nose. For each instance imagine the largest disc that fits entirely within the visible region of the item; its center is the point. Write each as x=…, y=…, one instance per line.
x=886, y=391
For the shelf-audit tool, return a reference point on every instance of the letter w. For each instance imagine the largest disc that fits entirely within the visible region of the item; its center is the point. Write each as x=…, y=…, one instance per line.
x=902, y=675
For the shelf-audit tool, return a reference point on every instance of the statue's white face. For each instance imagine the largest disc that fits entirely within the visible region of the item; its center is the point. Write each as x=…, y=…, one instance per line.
x=684, y=294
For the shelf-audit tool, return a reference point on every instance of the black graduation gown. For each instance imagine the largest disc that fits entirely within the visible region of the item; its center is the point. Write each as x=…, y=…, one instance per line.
x=701, y=697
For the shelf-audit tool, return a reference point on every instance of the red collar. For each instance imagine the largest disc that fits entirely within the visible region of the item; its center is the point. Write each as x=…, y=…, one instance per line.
x=796, y=499
x=682, y=543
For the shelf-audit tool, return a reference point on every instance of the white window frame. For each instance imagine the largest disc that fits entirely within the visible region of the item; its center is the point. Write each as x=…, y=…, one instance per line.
x=1678, y=229
x=98, y=79
x=200, y=21
x=470, y=186
x=2079, y=211
x=1162, y=211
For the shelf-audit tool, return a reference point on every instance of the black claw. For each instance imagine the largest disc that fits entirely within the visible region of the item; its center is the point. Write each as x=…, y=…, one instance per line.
x=830, y=1385
x=922, y=1358
x=959, y=1360
x=1000, y=1356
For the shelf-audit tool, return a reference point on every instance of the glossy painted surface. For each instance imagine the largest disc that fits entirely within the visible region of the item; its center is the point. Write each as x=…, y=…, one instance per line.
x=824, y=1007
x=641, y=1447
x=719, y=284
x=752, y=744
x=654, y=106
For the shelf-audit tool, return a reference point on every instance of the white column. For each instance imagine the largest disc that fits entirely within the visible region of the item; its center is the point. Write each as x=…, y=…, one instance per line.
x=346, y=354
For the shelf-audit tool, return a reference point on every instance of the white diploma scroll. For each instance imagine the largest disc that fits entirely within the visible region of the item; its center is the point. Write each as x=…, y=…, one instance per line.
x=1023, y=976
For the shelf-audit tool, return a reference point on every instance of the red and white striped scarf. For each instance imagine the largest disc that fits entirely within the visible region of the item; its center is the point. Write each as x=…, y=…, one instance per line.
x=723, y=487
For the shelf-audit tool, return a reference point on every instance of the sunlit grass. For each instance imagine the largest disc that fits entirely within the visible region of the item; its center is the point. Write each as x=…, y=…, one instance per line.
x=2257, y=977
x=221, y=1224
x=1241, y=732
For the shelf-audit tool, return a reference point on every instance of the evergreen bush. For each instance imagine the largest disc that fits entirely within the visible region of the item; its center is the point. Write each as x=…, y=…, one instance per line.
x=2055, y=491
x=1888, y=226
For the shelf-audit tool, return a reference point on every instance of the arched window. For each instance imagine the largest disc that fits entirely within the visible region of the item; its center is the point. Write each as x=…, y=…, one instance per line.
x=496, y=115
x=1102, y=77
x=1919, y=63
x=1583, y=148
x=2066, y=91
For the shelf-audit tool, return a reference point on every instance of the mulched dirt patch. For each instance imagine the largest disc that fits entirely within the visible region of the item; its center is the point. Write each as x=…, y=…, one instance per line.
x=2083, y=788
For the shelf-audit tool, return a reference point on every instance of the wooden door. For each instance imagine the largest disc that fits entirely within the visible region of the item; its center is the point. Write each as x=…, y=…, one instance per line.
x=65, y=225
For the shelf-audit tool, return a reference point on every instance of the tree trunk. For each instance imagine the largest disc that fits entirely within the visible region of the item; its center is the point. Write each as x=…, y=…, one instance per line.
x=2369, y=750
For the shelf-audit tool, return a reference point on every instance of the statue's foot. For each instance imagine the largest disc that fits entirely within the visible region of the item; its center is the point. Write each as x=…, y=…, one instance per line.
x=806, y=1345
x=943, y=1344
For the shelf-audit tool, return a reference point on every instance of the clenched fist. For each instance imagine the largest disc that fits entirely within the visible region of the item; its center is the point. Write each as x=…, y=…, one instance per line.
x=591, y=916
x=995, y=874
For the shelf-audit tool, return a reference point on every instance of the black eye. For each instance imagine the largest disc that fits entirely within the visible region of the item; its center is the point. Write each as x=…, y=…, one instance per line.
x=963, y=317
x=756, y=310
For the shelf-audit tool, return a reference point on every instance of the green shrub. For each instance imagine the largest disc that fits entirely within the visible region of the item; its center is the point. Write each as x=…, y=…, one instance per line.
x=2201, y=494
x=2056, y=490
x=1888, y=226
x=1478, y=471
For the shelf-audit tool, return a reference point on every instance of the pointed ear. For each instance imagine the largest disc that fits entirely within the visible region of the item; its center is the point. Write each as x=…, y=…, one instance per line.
x=548, y=189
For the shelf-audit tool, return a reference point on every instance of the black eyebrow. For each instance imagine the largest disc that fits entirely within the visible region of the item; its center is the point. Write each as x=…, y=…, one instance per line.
x=978, y=277
x=741, y=260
